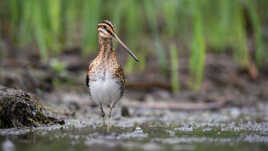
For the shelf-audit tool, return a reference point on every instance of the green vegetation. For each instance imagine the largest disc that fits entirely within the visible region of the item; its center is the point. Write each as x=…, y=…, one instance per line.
x=174, y=62
x=147, y=26
x=197, y=58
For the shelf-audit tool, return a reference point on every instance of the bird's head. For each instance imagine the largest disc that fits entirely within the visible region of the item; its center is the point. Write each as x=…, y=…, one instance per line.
x=106, y=30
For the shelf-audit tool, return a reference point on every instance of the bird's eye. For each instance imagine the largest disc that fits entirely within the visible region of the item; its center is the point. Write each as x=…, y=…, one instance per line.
x=105, y=27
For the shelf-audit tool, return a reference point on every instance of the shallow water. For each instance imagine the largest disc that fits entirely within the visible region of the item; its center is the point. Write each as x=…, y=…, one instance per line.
x=226, y=129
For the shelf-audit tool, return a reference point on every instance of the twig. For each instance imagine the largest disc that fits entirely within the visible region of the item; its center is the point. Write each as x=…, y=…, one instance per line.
x=176, y=105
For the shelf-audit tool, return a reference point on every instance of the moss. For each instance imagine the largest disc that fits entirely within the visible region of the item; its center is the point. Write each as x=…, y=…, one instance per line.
x=22, y=109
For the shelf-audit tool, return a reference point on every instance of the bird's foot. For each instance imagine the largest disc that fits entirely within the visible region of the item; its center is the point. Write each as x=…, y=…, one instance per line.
x=102, y=115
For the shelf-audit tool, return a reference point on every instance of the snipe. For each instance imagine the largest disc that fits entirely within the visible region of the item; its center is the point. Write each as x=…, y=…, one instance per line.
x=105, y=78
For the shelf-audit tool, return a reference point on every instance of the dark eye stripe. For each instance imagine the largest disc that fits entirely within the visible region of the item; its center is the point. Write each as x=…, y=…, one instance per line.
x=107, y=30
x=107, y=23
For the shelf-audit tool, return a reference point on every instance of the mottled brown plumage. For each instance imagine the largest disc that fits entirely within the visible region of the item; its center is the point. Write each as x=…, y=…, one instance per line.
x=106, y=61
x=105, y=78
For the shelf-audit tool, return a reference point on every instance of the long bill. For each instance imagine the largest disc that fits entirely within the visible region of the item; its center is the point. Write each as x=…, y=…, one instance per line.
x=126, y=48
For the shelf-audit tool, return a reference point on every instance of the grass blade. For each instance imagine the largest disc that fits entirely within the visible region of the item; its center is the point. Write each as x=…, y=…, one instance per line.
x=174, y=62
x=197, y=58
x=91, y=17
x=239, y=37
x=39, y=31
x=259, y=48
x=151, y=11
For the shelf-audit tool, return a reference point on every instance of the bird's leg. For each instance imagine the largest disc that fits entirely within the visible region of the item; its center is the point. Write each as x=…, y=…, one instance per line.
x=109, y=117
x=110, y=111
x=103, y=115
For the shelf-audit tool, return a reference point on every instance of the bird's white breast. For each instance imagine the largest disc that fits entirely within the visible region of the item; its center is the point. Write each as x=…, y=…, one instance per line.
x=105, y=90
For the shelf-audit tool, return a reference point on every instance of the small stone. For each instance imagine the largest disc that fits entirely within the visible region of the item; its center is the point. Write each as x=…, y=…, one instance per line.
x=8, y=146
x=125, y=112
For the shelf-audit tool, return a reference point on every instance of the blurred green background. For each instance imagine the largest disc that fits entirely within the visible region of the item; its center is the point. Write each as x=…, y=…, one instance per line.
x=164, y=29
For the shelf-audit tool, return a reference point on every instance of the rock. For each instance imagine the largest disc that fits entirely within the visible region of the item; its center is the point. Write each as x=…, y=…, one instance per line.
x=125, y=111
x=21, y=109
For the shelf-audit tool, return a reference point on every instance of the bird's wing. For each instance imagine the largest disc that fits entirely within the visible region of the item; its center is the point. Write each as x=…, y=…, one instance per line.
x=88, y=74
x=88, y=77
x=87, y=80
x=120, y=73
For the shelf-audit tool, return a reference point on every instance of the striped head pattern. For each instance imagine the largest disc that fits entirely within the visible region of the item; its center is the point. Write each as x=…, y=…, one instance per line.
x=106, y=29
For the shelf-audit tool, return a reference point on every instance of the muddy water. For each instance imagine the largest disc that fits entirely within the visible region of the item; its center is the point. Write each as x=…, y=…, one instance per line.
x=226, y=129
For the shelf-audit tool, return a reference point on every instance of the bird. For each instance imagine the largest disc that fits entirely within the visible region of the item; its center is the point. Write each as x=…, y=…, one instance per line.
x=105, y=78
